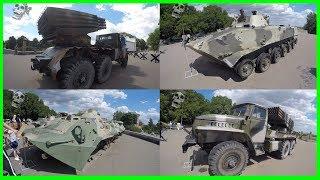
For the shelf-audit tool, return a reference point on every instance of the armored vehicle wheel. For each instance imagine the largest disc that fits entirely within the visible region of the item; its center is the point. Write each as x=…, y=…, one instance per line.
x=103, y=69
x=292, y=44
x=263, y=62
x=124, y=62
x=289, y=47
x=284, y=149
x=245, y=68
x=275, y=54
x=77, y=75
x=283, y=50
x=228, y=158
x=292, y=146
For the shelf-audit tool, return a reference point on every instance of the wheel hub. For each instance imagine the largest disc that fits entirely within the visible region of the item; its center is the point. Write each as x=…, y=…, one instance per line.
x=231, y=162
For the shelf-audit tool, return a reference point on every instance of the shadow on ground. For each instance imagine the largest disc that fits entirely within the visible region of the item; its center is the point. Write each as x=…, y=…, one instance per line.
x=204, y=66
x=32, y=161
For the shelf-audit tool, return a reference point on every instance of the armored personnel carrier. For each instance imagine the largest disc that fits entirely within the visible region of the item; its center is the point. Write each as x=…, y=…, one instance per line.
x=73, y=61
x=250, y=44
x=73, y=139
x=231, y=140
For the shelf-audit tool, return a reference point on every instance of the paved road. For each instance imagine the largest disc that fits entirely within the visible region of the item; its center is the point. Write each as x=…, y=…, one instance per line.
x=296, y=70
x=174, y=162
x=138, y=74
x=126, y=156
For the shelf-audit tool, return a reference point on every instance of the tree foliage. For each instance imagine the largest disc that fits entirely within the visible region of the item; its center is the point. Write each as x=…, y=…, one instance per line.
x=154, y=39
x=32, y=107
x=192, y=21
x=311, y=24
x=151, y=128
x=194, y=105
x=129, y=118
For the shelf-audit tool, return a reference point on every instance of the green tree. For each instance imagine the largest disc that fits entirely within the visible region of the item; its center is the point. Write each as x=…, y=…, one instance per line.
x=33, y=107
x=194, y=105
x=192, y=21
x=7, y=108
x=154, y=39
x=141, y=44
x=11, y=43
x=34, y=44
x=220, y=105
x=311, y=23
x=118, y=115
x=129, y=118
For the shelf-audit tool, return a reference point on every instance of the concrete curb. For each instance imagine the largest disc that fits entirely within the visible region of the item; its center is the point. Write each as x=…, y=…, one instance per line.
x=145, y=137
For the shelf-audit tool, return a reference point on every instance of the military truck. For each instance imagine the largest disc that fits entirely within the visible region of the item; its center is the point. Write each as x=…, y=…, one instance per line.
x=250, y=44
x=74, y=139
x=231, y=140
x=73, y=61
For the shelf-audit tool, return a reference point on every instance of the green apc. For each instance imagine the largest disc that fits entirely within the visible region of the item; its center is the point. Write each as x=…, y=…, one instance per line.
x=231, y=140
x=73, y=139
x=251, y=43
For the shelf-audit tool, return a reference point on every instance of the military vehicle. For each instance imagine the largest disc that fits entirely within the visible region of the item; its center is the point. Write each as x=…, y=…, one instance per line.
x=251, y=130
x=73, y=61
x=74, y=139
x=250, y=44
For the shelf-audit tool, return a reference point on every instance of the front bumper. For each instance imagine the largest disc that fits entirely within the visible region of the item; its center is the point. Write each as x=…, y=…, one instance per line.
x=190, y=141
x=40, y=63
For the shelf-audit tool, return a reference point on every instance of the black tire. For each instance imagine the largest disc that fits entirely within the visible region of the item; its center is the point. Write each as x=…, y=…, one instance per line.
x=283, y=50
x=292, y=146
x=289, y=47
x=228, y=158
x=263, y=62
x=275, y=55
x=245, y=68
x=77, y=75
x=103, y=69
x=284, y=149
x=292, y=44
x=124, y=62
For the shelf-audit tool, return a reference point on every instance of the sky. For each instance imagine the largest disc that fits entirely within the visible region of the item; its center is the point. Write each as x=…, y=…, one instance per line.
x=280, y=14
x=137, y=19
x=106, y=102
x=299, y=104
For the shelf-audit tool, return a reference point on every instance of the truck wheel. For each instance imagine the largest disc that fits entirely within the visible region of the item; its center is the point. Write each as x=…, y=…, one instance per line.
x=275, y=54
x=103, y=69
x=283, y=50
x=228, y=158
x=77, y=75
x=124, y=62
x=245, y=68
x=292, y=146
x=263, y=62
x=284, y=149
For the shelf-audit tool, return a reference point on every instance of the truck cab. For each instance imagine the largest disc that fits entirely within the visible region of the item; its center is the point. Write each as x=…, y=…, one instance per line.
x=242, y=134
x=113, y=40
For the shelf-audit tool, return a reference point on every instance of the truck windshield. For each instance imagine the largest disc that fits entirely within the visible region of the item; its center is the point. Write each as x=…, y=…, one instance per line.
x=239, y=111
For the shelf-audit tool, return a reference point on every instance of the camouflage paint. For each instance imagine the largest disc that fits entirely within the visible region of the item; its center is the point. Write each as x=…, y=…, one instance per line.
x=72, y=140
x=230, y=45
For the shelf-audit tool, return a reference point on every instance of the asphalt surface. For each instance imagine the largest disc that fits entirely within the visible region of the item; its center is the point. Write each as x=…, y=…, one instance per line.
x=126, y=156
x=174, y=162
x=294, y=71
x=138, y=74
